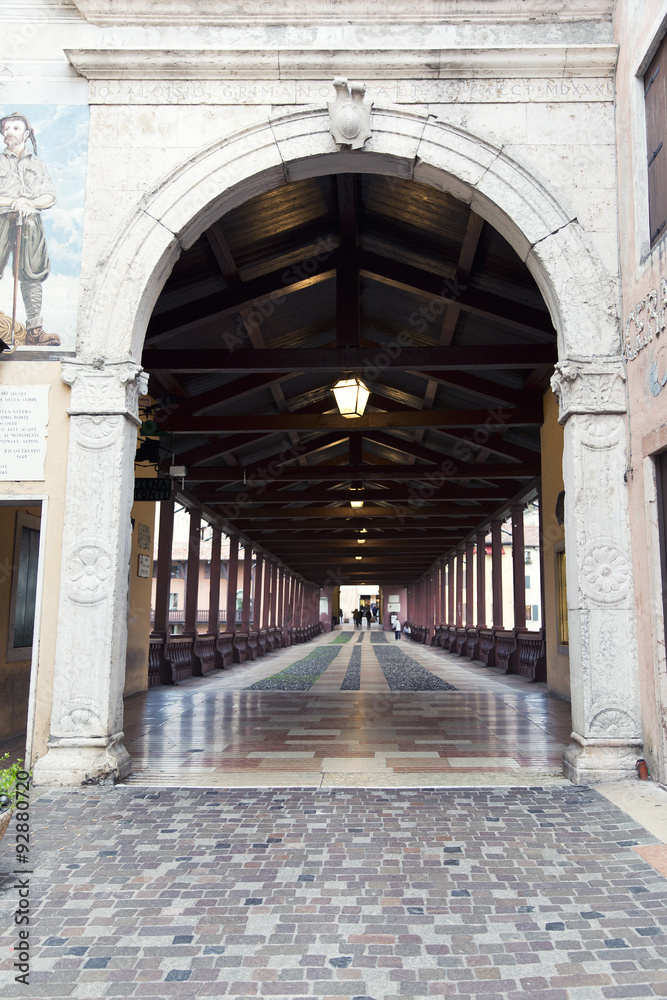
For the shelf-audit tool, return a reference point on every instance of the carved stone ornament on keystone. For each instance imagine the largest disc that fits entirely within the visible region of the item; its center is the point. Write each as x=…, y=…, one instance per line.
x=350, y=114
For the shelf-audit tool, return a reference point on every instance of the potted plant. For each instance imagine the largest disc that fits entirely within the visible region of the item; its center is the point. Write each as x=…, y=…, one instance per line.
x=8, y=778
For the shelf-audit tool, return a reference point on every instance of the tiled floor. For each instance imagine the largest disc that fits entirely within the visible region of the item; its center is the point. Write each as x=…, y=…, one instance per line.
x=493, y=729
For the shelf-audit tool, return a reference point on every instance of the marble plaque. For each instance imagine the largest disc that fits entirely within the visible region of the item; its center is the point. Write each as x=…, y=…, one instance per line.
x=24, y=418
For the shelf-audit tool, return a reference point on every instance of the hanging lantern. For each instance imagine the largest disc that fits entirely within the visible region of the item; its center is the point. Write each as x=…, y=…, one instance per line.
x=351, y=397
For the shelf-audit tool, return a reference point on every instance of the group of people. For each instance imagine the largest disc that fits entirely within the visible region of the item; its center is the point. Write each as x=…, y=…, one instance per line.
x=358, y=616
x=396, y=626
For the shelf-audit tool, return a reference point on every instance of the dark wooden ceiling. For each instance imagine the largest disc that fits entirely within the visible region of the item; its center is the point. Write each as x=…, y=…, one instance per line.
x=392, y=280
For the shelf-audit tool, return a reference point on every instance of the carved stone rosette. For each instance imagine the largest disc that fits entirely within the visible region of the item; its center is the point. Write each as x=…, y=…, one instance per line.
x=85, y=743
x=607, y=736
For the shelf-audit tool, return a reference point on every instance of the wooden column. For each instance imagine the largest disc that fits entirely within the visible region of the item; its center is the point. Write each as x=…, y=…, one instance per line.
x=497, y=572
x=247, y=587
x=257, y=614
x=451, y=591
x=443, y=591
x=232, y=582
x=470, y=590
x=214, y=584
x=518, y=566
x=481, y=578
x=274, y=594
x=165, y=534
x=459, y=588
x=192, y=578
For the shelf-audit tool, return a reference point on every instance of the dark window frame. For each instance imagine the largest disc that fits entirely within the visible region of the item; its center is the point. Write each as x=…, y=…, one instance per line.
x=24, y=585
x=655, y=108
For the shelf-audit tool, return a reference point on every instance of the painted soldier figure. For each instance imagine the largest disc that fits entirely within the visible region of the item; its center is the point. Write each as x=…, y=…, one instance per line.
x=25, y=191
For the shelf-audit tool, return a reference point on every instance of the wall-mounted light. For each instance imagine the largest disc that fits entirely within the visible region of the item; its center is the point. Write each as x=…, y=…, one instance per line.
x=351, y=396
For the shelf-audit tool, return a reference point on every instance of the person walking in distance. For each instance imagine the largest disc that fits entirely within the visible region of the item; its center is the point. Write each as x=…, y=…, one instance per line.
x=26, y=190
x=397, y=628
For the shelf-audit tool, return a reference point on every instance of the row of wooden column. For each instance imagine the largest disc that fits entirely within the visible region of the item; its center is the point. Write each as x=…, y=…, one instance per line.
x=438, y=596
x=278, y=607
x=435, y=605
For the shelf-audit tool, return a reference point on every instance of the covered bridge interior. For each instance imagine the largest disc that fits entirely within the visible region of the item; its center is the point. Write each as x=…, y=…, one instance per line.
x=324, y=279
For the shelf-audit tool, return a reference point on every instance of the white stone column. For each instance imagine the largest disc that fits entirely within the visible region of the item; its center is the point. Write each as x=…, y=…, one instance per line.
x=85, y=743
x=606, y=720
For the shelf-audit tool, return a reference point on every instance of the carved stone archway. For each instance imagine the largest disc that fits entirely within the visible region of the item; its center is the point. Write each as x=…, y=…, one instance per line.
x=86, y=737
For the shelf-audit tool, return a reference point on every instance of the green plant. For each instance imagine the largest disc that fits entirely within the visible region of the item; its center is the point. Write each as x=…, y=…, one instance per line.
x=8, y=779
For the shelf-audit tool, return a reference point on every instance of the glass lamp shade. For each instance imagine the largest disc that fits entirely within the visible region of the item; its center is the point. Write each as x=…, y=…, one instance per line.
x=351, y=397
x=356, y=503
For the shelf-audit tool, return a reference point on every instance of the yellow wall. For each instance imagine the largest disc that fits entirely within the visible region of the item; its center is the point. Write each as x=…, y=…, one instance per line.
x=16, y=372
x=139, y=607
x=558, y=664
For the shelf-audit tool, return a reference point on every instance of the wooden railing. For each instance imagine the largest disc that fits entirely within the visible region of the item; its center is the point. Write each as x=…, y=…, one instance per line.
x=177, y=657
x=515, y=651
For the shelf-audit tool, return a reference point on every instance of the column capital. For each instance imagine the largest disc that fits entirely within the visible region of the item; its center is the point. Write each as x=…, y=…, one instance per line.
x=585, y=385
x=101, y=388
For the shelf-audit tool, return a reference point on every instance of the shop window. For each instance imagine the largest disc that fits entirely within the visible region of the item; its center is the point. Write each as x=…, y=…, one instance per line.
x=24, y=588
x=655, y=97
x=561, y=600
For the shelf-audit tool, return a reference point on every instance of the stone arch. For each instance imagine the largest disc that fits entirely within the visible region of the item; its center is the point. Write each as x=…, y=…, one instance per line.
x=580, y=295
x=86, y=736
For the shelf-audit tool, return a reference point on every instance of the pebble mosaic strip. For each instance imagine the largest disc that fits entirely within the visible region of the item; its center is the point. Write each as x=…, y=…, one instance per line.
x=299, y=676
x=402, y=673
x=352, y=679
x=378, y=637
x=342, y=637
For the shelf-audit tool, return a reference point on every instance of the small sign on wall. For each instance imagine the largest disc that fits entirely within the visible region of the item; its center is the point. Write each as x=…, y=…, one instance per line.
x=24, y=417
x=393, y=606
x=144, y=566
x=324, y=605
x=143, y=537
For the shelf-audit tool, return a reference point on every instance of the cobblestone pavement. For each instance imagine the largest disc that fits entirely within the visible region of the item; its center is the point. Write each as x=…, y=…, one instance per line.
x=474, y=893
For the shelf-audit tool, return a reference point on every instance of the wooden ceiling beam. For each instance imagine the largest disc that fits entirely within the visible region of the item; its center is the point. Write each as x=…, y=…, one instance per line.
x=353, y=359
x=495, y=442
x=368, y=473
x=347, y=274
x=393, y=494
x=485, y=305
x=525, y=416
x=229, y=392
x=396, y=511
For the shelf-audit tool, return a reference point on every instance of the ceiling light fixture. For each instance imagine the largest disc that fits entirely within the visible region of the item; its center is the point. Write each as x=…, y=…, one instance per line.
x=357, y=557
x=356, y=503
x=361, y=541
x=351, y=396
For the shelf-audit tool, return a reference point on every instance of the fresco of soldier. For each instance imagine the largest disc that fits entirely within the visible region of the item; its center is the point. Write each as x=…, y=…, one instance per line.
x=26, y=190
